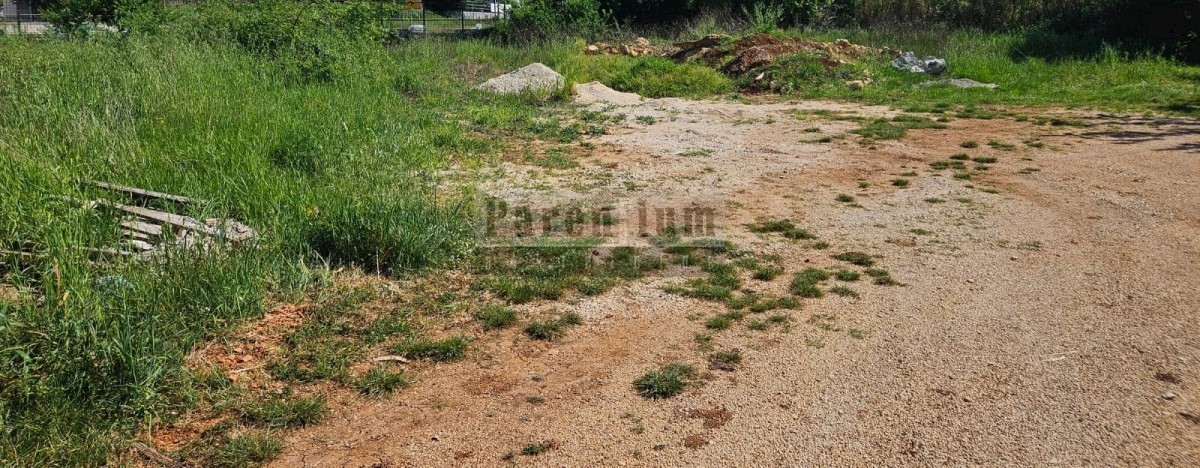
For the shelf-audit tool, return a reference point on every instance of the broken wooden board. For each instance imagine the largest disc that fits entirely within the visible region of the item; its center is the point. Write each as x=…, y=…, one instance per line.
x=143, y=193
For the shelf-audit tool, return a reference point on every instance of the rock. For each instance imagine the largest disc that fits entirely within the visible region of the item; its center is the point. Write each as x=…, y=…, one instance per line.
x=596, y=91
x=534, y=77
x=856, y=85
x=1168, y=396
x=842, y=43
x=960, y=83
x=908, y=61
x=641, y=42
x=592, y=50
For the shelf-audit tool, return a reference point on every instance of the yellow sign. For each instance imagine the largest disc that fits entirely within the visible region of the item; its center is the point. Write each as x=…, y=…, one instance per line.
x=414, y=5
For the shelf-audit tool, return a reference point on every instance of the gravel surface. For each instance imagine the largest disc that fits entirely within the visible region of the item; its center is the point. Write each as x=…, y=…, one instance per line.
x=1047, y=317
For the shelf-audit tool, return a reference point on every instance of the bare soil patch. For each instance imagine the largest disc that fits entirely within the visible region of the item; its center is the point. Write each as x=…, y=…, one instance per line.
x=1047, y=313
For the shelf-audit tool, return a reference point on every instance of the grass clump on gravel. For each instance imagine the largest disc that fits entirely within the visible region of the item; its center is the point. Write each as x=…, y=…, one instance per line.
x=380, y=381
x=553, y=329
x=246, y=449
x=495, y=316
x=725, y=360
x=782, y=226
x=804, y=283
x=855, y=258
x=846, y=275
x=449, y=349
x=285, y=412
x=666, y=381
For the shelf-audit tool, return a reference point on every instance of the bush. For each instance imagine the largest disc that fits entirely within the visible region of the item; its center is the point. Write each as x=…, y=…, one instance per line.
x=542, y=20
x=657, y=77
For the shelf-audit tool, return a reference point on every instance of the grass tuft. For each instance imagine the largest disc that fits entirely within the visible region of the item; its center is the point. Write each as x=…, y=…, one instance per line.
x=449, y=349
x=666, y=381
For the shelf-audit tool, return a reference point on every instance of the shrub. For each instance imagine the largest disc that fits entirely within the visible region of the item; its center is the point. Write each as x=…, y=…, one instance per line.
x=542, y=20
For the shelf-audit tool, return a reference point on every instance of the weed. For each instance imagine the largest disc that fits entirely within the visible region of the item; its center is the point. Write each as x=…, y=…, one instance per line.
x=697, y=153
x=1028, y=170
x=804, y=283
x=535, y=400
x=247, y=449
x=1000, y=145
x=725, y=360
x=783, y=226
x=962, y=175
x=863, y=184
x=549, y=330
x=449, y=349
x=646, y=119
x=720, y=322
x=823, y=321
x=846, y=275
x=920, y=232
x=284, y=412
x=900, y=182
x=533, y=449
x=855, y=258
x=703, y=341
x=757, y=325
x=819, y=245
x=766, y=273
x=908, y=174
x=666, y=381
x=969, y=144
x=845, y=198
x=844, y=291
x=380, y=381
x=984, y=160
x=881, y=276
x=813, y=130
x=857, y=334
x=495, y=316
x=814, y=343
x=962, y=156
x=779, y=319
x=935, y=200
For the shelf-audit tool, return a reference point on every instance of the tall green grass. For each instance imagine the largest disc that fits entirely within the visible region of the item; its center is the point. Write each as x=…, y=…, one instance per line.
x=339, y=170
x=1033, y=68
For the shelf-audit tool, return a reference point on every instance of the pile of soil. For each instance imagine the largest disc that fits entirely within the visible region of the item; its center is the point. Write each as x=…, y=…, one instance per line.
x=753, y=53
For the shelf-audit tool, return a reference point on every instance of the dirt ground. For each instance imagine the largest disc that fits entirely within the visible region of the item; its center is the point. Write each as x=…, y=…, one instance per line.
x=1047, y=317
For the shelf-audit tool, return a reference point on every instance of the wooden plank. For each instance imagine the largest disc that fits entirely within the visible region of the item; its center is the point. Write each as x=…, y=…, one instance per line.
x=142, y=227
x=24, y=257
x=185, y=222
x=155, y=456
x=141, y=246
x=143, y=193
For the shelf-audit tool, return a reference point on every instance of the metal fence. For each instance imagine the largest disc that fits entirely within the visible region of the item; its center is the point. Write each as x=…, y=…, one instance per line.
x=19, y=16
x=403, y=16
x=416, y=17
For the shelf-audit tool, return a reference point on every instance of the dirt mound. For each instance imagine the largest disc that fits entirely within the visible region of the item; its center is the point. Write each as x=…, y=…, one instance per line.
x=589, y=93
x=639, y=47
x=756, y=52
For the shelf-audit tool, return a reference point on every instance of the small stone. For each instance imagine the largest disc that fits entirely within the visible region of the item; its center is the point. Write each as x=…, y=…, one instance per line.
x=1169, y=396
x=971, y=281
x=1014, y=257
